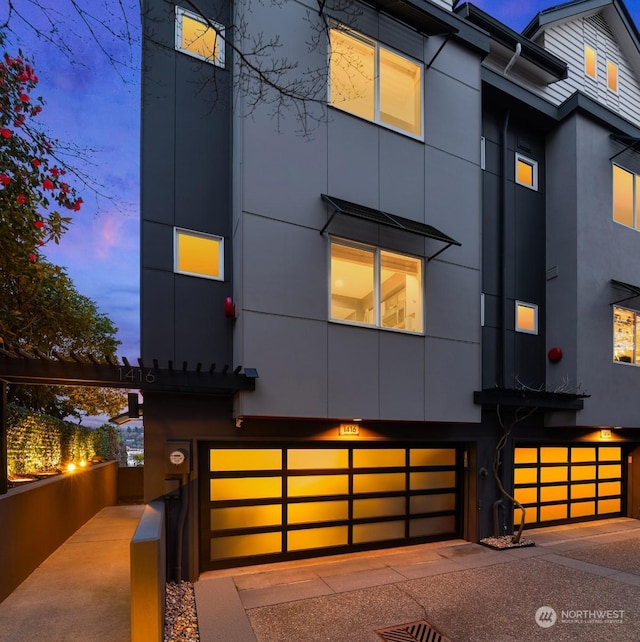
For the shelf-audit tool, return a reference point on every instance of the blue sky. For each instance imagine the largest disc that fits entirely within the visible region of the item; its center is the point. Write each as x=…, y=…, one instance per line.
x=94, y=105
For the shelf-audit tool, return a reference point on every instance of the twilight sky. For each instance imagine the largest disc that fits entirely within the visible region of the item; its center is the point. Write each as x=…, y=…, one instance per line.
x=94, y=104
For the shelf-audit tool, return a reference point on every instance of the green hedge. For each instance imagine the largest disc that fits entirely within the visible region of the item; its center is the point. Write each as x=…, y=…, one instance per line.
x=37, y=443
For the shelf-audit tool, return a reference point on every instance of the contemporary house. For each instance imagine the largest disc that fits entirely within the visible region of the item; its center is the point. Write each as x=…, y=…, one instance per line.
x=374, y=261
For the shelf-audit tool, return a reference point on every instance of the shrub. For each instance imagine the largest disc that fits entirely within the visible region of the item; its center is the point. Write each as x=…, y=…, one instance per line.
x=38, y=443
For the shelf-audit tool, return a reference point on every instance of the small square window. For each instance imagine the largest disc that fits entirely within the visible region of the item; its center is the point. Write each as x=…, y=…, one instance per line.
x=590, y=61
x=526, y=317
x=612, y=76
x=199, y=254
x=199, y=38
x=526, y=172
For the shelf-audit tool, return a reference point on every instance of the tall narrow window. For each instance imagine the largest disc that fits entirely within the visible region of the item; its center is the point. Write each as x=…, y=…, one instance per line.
x=375, y=287
x=373, y=82
x=526, y=172
x=590, y=61
x=526, y=317
x=626, y=197
x=199, y=254
x=612, y=76
x=626, y=334
x=199, y=38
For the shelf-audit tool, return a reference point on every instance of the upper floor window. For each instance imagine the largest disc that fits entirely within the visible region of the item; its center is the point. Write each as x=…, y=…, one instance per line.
x=198, y=254
x=590, y=61
x=626, y=335
x=526, y=317
x=199, y=38
x=373, y=82
x=612, y=76
x=526, y=172
x=626, y=197
x=374, y=287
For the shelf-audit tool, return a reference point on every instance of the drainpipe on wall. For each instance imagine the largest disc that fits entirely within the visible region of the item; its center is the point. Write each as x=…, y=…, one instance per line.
x=502, y=364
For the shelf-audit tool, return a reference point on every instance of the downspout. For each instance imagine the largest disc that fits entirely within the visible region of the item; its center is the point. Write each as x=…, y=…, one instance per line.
x=502, y=365
x=513, y=60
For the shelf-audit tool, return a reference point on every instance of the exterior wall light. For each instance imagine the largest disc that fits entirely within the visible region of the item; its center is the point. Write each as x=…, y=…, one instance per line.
x=229, y=308
x=555, y=354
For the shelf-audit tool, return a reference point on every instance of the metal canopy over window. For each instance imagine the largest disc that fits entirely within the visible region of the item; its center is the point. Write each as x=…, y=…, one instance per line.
x=390, y=220
x=630, y=142
x=634, y=290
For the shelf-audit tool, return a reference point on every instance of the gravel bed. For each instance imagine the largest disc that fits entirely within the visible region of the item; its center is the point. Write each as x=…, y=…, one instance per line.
x=180, y=618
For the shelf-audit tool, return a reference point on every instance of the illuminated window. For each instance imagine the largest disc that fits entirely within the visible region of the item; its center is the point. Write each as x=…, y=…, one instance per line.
x=626, y=334
x=199, y=38
x=590, y=61
x=526, y=172
x=526, y=317
x=199, y=254
x=375, y=287
x=375, y=83
x=612, y=76
x=626, y=197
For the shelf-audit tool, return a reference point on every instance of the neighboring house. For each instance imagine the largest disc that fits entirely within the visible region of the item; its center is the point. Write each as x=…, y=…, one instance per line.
x=401, y=279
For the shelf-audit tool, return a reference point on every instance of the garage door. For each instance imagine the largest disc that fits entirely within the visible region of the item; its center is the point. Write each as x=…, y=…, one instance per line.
x=263, y=503
x=568, y=483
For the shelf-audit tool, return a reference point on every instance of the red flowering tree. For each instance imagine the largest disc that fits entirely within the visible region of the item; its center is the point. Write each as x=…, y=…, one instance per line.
x=35, y=199
x=40, y=309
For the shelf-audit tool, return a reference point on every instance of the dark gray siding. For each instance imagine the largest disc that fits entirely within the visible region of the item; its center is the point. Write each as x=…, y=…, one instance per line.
x=514, y=254
x=185, y=183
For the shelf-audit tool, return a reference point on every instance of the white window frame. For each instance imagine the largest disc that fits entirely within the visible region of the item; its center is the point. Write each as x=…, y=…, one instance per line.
x=220, y=60
x=534, y=171
x=210, y=237
x=376, y=108
x=377, y=325
x=531, y=306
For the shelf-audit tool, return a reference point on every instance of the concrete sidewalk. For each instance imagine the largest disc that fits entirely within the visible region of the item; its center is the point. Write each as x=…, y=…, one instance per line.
x=588, y=575
x=81, y=591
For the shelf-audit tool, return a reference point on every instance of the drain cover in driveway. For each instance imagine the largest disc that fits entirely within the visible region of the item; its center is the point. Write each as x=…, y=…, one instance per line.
x=413, y=632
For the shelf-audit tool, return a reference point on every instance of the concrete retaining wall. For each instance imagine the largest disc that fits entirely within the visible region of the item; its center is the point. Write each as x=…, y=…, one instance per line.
x=37, y=518
x=148, y=575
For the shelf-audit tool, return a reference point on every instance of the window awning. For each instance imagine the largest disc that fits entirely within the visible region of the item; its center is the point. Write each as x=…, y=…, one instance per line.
x=630, y=142
x=634, y=290
x=389, y=220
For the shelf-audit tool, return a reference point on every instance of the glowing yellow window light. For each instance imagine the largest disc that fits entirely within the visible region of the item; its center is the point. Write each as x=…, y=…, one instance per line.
x=526, y=318
x=590, y=61
x=612, y=76
x=352, y=70
x=200, y=39
x=199, y=254
x=623, y=196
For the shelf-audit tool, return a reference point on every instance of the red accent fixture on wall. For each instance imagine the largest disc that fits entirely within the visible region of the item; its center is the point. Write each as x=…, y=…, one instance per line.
x=229, y=308
x=555, y=354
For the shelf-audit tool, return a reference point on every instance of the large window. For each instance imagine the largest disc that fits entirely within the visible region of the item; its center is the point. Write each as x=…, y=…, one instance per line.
x=375, y=83
x=375, y=287
x=199, y=38
x=626, y=197
x=626, y=335
x=199, y=254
